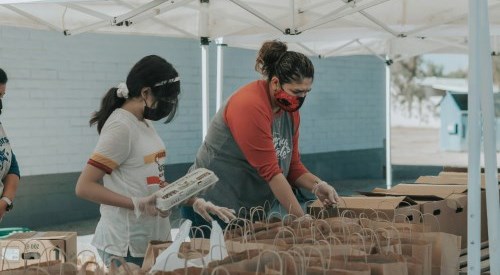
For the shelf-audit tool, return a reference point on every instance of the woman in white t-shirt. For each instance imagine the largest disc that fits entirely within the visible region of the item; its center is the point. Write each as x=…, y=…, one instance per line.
x=129, y=160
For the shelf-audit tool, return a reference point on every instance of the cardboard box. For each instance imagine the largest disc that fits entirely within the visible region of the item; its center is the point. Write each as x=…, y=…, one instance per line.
x=400, y=207
x=444, y=206
x=27, y=248
x=421, y=191
x=449, y=178
x=459, y=175
x=449, y=215
x=445, y=180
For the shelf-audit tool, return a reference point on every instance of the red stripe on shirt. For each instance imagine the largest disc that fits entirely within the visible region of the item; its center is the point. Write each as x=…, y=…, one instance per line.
x=153, y=180
x=100, y=166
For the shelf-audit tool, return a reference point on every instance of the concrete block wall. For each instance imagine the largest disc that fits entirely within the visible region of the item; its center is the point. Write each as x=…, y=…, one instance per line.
x=56, y=82
x=345, y=110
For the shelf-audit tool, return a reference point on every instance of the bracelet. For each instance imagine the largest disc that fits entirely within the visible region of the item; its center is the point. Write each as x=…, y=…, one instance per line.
x=316, y=185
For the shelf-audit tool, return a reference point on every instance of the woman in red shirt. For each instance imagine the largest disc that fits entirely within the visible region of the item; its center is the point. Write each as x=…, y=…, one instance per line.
x=252, y=143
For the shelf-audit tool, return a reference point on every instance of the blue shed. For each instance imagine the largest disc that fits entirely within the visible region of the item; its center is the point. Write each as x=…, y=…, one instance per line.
x=453, y=132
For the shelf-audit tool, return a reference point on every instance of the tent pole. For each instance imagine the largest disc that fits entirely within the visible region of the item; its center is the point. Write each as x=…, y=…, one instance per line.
x=204, y=86
x=340, y=48
x=33, y=18
x=259, y=15
x=329, y=18
x=309, y=50
x=474, y=134
x=388, y=161
x=144, y=8
x=148, y=10
x=90, y=12
x=371, y=51
x=379, y=23
x=220, y=72
x=204, y=42
x=490, y=160
x=92, y=27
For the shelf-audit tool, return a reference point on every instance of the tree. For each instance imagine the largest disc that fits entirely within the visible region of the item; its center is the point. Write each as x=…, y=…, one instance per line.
x=404, y=75
x=405, y=87
x=433, y=69
x=457, y=74
x=496, y=69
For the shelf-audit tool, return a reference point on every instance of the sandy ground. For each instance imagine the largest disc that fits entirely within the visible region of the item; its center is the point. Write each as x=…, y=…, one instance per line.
x=420, y=146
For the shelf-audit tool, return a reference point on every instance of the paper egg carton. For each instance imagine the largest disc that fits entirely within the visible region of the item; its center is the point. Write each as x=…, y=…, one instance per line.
x=184, y=188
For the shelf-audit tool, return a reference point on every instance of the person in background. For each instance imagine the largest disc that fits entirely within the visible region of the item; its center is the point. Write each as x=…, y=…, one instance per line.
x=252, y=142
x=129, y=159
x=9, y=169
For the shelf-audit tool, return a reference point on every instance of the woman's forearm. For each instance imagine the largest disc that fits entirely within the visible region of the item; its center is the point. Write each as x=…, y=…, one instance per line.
x=283, y=192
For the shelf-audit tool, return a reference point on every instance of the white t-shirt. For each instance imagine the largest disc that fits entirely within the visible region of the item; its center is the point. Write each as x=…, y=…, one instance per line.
x=133, y=157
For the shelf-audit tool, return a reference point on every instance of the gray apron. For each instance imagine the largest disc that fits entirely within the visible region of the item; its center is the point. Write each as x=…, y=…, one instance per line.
x=239, y=184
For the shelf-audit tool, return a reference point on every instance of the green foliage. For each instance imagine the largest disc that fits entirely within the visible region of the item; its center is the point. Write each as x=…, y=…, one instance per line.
x=457, y=74
x=496, y=69
x=404, y=74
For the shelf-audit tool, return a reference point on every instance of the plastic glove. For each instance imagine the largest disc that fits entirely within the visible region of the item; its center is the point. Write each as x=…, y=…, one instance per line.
x=205, y=208
x=147, y=206
x=325, y=193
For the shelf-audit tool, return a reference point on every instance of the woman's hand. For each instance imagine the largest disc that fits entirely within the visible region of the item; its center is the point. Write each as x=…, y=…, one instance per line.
x=205, y=208
x=147, y=206
x=163, y=184
x=325, y=193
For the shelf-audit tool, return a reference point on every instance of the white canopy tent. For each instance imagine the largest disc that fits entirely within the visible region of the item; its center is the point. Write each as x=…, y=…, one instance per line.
x=316, y=27
x=393, y=29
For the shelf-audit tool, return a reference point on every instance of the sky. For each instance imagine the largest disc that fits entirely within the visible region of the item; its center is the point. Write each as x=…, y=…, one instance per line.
x=450, y=62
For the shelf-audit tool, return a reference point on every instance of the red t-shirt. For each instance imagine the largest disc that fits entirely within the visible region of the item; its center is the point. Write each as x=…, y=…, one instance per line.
x=249, y=117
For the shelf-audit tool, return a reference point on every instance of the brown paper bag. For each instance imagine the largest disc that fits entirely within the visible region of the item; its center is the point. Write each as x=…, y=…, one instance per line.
x=51, y=267
x=445, y=250
x=420, y=250
x=414, y=266
x=152, y=251
x=402, y=227
x=234, y=264
x=329, y=251
x=316, y=265
x=383, y=264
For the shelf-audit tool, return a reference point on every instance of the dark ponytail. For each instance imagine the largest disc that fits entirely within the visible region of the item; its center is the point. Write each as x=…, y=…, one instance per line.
x=109, y=103
x=274, y=59
x=151, y=71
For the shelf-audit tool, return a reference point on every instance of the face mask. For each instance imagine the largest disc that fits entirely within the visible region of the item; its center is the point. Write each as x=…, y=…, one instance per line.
x=162, y=110
x=288, y=103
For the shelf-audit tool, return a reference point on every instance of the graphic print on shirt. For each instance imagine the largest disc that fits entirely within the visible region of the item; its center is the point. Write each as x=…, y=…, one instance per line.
x=281, y=146
x=3, y=158
x=159, y=159
x=4, y=153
